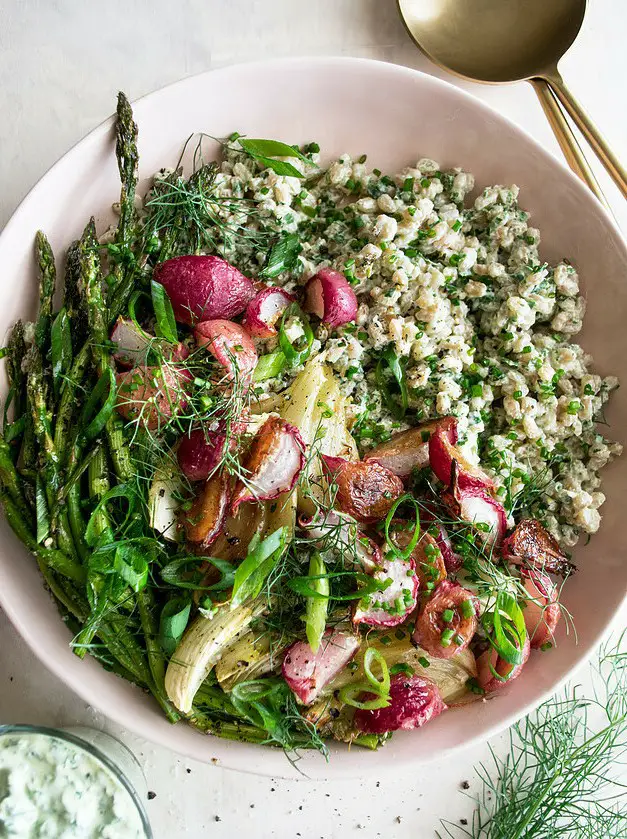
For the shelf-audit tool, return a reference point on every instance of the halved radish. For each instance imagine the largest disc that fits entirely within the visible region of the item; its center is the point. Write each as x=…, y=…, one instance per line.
x=392, y=605
x=530, y=544
x=542, y=610
x=273, y=463
x=447, y=622
x=329, y=295
x=204, y=521
x=480, y=509
x=490, y=660
x=132, y=343
x=152, y=395
x=363, y=489
x=404, y=451
x=200, y=452
x=231, y=345
x=452, y=560
x=443, y=453
x=337, y=531
x=263, y=312
x=414, y=701
x=307, y=673
x=204, y=287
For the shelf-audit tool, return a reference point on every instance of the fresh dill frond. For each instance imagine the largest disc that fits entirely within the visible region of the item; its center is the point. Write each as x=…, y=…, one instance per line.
x=560, y=776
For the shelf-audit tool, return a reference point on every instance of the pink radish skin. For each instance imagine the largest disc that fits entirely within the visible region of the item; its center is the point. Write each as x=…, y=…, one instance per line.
x=490, y=658
x=200, y=453
x=442, y=453
x=542, y=611
x=273, y=463
x=329, y=295
x=153, y=393
x=414, y=701
x=231, y=345
x=307, y=673
x=431, y=624
x=204, y=288
x=265, y=310
x=404, y=578
x=404, y=451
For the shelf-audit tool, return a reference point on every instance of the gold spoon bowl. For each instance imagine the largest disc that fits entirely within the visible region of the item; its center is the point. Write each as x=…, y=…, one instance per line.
x=503, y=41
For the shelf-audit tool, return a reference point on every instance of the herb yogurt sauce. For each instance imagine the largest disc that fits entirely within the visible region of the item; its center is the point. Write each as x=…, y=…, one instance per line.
x=52, y=789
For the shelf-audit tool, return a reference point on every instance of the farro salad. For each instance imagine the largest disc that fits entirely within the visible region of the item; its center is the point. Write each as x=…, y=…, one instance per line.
x=304, y=448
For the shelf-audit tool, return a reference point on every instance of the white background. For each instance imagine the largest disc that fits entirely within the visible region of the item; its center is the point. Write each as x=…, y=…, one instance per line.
x=61, y=64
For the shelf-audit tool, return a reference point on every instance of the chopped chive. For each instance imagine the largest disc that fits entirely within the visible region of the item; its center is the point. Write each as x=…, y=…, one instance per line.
x=446, y=638
x=448, y=615
x=424, y=662
x=467, y=609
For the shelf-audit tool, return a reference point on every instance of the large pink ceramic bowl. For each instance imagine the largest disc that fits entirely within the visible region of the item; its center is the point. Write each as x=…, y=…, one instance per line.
x=396, y=115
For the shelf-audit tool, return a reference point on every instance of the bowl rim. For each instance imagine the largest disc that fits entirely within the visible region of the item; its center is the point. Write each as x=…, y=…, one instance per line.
x=334, y=768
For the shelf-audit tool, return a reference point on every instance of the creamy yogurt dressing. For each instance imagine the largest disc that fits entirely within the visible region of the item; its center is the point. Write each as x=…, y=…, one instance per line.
x=52, y=789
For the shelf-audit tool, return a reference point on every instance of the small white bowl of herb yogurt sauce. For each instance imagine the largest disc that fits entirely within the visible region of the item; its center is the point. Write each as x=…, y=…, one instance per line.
x=55, y=784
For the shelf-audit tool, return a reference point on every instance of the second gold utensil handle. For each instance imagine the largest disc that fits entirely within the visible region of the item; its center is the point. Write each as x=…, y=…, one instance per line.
x=588, y=129
x=566, y=138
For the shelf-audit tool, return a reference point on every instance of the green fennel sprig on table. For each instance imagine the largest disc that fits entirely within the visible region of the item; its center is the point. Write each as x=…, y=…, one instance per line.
x=560, y=775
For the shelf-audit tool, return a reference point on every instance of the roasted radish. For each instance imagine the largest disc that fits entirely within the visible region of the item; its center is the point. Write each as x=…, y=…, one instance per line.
x=273, y=463
x=152, y=395
x=426, y=555
x=204, y=288
x=329, y=295
x=531, y=545
x=231, y=345
x=443, y=453
x=204, y=521
x=490, y=663
x=363, y=489
x=200, y=453
x=307, y=672
x=542, y=610
x=475, y=505
x=405, y=451
x=447, y=622
x=264, y=310
x=413, y=701
x=396, y=601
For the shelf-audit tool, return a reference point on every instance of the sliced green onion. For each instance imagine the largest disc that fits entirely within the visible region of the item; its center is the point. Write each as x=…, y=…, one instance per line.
x=164, y=314
x=446, y=637
x=93, y=427
x=407, y=551
x=349, y=694
x=306, y=586
x=253, y=571
x=296, y=355
x=448, y=615
x=467, y=609
x=424, y=662
x=402, y=667
x=269, y=366
x=382, y=684
x=173, y=623
x=317, y=607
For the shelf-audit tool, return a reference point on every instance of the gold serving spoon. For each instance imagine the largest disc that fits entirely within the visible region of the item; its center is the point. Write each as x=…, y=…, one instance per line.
x=497, y=41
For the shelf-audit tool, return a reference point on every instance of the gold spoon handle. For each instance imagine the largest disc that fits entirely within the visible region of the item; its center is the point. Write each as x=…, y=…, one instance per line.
x=566, y=138
x=588, y=129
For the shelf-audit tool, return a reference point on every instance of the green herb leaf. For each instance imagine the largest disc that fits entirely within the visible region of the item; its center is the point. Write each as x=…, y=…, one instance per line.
x=397, y=404
x=297, y=353
x=307, y=586
x=131, y=565
x=253, y=571
x=269, y=366
x=283, y=256
x=60, y=349
x=126, y=491
x=164, y=314
x=185, y=573
x=173, y=623
x=270, y=148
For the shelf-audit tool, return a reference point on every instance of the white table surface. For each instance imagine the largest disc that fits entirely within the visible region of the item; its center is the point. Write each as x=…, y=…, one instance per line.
x=61, y=64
